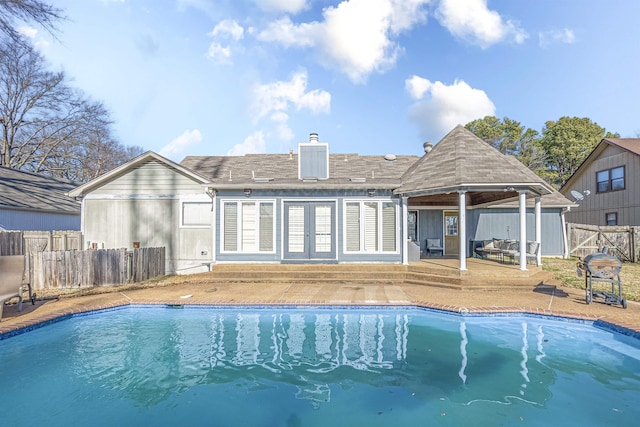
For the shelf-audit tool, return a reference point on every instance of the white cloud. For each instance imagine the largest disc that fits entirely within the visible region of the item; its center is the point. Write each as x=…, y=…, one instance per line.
x=228, y=31
x=218, y=53
x=179, y=145
x=280, y=96
x=284, y=132
x=253, y=144
x=471, y=20
x=355, y=37
x=417, y=86
x=556, y=36
x=446, y=106
x=32, y=34
x=287, y=6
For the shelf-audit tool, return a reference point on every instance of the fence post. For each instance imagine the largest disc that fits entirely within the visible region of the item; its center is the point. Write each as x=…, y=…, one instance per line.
x=632, y=243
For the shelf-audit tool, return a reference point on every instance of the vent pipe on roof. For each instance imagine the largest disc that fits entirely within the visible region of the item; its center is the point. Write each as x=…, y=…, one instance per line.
x=427, y=147
x=313, y=137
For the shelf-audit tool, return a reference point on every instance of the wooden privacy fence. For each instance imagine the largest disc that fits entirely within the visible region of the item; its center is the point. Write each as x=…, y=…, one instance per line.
x=70, y=269
x=22, y=242
x=621, y=241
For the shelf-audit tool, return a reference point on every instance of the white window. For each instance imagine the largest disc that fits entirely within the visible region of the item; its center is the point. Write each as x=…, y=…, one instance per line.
x=371, y=226
x=196, y=214
x=247, y=226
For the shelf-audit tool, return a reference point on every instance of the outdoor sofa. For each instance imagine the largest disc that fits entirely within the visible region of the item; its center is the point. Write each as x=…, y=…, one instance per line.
x=504, y=248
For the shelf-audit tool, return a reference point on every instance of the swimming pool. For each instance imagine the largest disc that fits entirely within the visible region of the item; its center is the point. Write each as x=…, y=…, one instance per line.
x=317, y=366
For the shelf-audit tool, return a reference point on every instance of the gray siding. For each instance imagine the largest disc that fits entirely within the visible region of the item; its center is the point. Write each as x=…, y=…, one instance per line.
x=151, y=178
x=15, y=219
x=284, y=195
x=430, y=226
x=153, y=223
x=486, y=224
x=593, y=208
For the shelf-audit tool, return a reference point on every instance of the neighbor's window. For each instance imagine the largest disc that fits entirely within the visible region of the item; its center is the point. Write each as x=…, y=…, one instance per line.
x=612, y=218
x=610, y=180
x=247, y=226
x=371, y=226
x=196, y=214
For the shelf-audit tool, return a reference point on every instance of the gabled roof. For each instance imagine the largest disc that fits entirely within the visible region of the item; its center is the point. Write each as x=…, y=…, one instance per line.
x=631, y=145
x=280, y=171
x=33, y=192
x=462, y=161
x=132, y=164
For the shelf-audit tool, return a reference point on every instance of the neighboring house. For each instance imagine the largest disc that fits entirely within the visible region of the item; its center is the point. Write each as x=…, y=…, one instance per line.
x=314, y=206
x=606, y=186
x=32, y=202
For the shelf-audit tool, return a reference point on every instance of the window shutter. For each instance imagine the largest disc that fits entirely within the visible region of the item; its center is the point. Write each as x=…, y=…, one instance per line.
x=371, y=226
x=353, y=227
x=266, y=227
x=389, y=227
x=248, y=226
x=230, y=226
x=296, y=229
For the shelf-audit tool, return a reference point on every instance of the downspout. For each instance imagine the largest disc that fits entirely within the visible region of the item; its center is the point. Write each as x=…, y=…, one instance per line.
x=538, y=220
x=405, y=232
x=212, y=193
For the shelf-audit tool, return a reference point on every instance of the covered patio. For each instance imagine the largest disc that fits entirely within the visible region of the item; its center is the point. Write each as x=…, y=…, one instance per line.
x=463, y=172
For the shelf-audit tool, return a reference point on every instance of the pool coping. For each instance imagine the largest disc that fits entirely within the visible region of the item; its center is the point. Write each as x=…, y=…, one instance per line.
x=25, y=326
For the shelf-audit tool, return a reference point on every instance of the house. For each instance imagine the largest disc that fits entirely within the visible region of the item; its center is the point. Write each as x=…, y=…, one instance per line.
x=606, y=186
x=29, y=201
x=314, y=206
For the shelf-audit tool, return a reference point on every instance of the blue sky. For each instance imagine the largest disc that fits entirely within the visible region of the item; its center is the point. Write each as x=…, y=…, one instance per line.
x=217, y=77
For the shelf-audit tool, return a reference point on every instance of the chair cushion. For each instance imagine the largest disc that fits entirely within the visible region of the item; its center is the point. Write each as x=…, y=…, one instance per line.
x=433, y=243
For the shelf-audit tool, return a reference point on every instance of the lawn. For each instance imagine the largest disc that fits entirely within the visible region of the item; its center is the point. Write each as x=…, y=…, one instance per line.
x=564, y=270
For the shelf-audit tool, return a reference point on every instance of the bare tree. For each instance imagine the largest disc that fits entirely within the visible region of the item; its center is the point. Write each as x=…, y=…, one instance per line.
x=47, y=126
x=27, y=11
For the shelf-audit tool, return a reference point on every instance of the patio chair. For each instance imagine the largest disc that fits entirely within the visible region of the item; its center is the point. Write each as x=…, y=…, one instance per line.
x=433, y=245
x=11, y=275
x=493, y=247
x=532, y=252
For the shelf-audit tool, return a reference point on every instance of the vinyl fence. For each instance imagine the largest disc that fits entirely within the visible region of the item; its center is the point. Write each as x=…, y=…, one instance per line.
x=72, y=269
x=621, y=241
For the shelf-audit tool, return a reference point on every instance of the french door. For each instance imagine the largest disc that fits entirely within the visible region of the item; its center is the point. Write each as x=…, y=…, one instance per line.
x=309, y=230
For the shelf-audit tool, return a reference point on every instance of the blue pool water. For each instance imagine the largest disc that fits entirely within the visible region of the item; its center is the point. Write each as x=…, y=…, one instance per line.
x=317, y=367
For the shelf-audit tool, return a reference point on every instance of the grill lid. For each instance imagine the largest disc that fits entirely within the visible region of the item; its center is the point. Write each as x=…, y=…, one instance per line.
x=601, y=265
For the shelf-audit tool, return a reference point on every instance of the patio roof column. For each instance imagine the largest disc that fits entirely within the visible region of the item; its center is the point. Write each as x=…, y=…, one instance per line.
x=405, y=230
x=538, y=211
x=523, y=230
x=462, y=228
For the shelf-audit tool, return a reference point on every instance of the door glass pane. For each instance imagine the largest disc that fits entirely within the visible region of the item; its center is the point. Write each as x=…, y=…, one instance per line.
x=323, y=228
x=451, y=223
x=412, y=221
x=296, y=229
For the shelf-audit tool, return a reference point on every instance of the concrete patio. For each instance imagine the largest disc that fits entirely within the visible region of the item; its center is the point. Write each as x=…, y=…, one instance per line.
x=487, y=287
